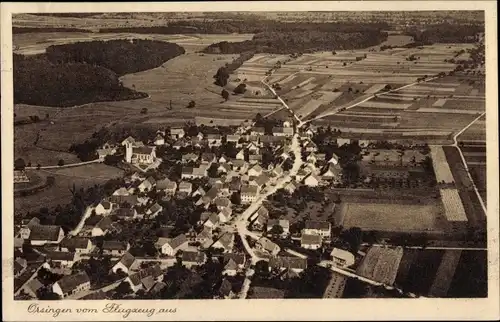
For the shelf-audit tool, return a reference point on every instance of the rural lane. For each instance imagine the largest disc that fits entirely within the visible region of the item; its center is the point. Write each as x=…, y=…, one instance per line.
x=71, y=165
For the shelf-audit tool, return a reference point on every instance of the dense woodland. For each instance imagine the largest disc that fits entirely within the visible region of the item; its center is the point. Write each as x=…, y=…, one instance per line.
x=446, y=33
x=121, y=56
x=86, y=72
x=25, y=30
x=289, y=42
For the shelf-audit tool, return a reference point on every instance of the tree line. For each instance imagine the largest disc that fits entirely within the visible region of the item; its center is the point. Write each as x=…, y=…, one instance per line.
x=289, y=42
x=446, y=33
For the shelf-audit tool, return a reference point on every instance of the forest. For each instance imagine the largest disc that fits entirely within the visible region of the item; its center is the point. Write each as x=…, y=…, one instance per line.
x=25, y=30
x=86, y=72
x=250, y=25
x=304, y=41
x=446, y=33
x=120, y=55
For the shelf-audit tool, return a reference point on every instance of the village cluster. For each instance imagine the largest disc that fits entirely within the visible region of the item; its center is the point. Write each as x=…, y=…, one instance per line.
x=221, y=219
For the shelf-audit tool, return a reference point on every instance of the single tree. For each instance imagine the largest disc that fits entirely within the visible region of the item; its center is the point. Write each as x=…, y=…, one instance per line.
x=225, y=94
x=19, y=164
x=60, y=162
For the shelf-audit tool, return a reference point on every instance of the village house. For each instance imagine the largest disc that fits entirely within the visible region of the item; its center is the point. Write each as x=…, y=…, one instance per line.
x=208, y=158
x=20, y=176
x=42, y=234
x=122, y=191
x=254, y=158
x=266, y=245
x=193, y=258
x=166, y=185
x=189, y=157
x=235, y=184
x=32, y=288
x=282, y=131
x=312, y=180
x=255, y=171
x=249, y=194
x=170, y=246
x=125, y=213
x=253, y=148
x=225, y=242
x=214, y=139
x=180, y=143
x=103, y=208
x=342, y=258
x=225, y=214
x=71, y=284
x=204, y=237
x=145, y=279
x=283, y=223
x=80, y=245
x=61, y=259
x=154, y=210
x=291, y=187
x=308, y=241
x=147, y=185
x=301, y=174
x=223, y=159
x=321, y=228
x=316, y=157
x=211, y=221
x=281, y=263
x=177, y=133
x=20, y=265
x=140, y=155
x=222, y=202
x=125, y=264
x=257, y=131
x=199, y=192
x=186, y=187
x=114, y=248
x=310, y=146
x=343, y=141
x=240, y=155
x=260, y=218
x=130, y=200
x=193, y=173
x=225, y=290
x=233, y=138
x=233, y=263
x=105, y=150
x=102, y=227
x=224, y=168
x=334, y=159
x=332, y=173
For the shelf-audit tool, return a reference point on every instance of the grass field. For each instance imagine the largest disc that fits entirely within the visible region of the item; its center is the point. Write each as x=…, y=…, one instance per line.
x=392, y=217
x=381, y=264
x=59, y=193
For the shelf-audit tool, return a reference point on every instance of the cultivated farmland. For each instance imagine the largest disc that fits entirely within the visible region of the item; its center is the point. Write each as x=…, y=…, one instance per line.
x=381, y=264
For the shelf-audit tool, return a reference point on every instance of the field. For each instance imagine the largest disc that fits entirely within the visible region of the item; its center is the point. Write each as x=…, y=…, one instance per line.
x=381, y=264
x=392, y=217
x=59, y=193
x=440, y=273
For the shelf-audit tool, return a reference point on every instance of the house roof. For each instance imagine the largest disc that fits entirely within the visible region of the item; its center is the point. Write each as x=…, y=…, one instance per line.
x=158, y=287
x=184, y=185
x=105, y=223
x=139, y=277
x=177, y=131
x=155, y=208
x=213, y=218
x=319, y=225
x=256, y=157
x=238, y=163
x=190, y=156
x=122, y=191
x=310, y=239
x=288, y=262
x=131, y=200
x=213, y=136
x=233, y=138
x=257, y=168
x=280, y=222
x=237, y=258
x=222, y=202
x=124, y=212
x=226, y=240
x=106, y=204
x=61, y=256
x=267, y=244
x=262, y=179
x=207, y=156
x=114, y=245
x=226, y=211
x=343, y=254
x=178, y=241
x=248, y=189
x=45, y=232
x=34, y=285
x=258, y=129
x=75, y=243
x=143, y=150
x=193, y=257
x=127, y=260
x=70, y=282
x=226, y=287
x=33, y=222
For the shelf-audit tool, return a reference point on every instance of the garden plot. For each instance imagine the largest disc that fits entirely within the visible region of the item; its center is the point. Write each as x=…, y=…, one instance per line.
x=392, y=217
x=381, y=105
x=439, y=103
x=445, y=110
x=395, y=97
x=381, y=264
x=375, y=88
x=440, y=164
x=307, y=81
x=432, y=89
x=308, y=108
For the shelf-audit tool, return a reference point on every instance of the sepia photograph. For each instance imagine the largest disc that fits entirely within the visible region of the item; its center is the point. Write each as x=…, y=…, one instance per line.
x=241, y=155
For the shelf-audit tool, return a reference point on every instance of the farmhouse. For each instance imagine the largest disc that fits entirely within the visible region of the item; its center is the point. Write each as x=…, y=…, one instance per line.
x=266, y=245
x=255, y=171
x=186, y=187
x=20, y=176
x=103, y=208
x=332, y=172
x=342, y=258
x=125, y=264
x=225, y=242
x=312, y=180
x=177, y=133
x=145, y=279
x=189, y=157
x=280, y=263
x=212, y=219
x=112, y=247
x=102, y=227
x=321, y=228
x=71, y=284
x=225, y=214
x=42, y=234
x=249, y=194
x=80, y=245
x=170, y=246
x=125, y=213
x=282, y=131
x=214, y=139
x=260, y=218
x=154, y=210
x=141, y=155
x=61, y=259
x=257, y=131
x=310, y=241
x=193, y=258
x=233, y=262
